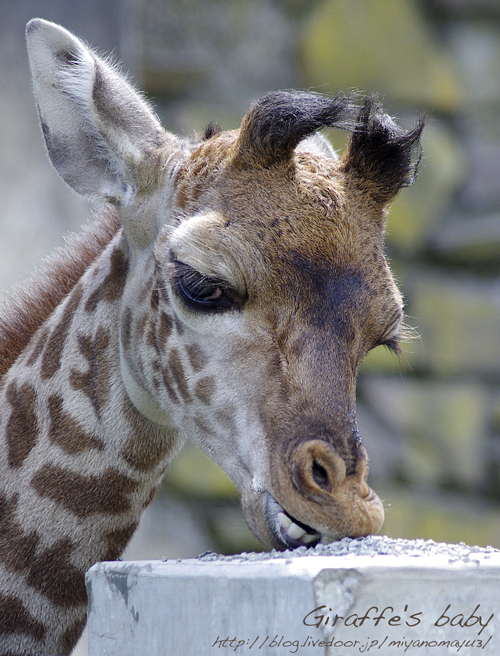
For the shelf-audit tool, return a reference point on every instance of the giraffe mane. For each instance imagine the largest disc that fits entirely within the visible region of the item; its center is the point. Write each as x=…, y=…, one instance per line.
x=32, y=301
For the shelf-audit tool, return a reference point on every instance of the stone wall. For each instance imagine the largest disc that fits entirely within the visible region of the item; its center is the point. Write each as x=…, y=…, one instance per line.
x=431, y=423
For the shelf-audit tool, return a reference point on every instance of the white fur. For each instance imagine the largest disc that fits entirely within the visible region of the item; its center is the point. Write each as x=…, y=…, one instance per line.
x=317, y=144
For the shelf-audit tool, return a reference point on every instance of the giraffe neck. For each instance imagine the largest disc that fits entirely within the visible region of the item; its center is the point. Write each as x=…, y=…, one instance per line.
x=80, y=461
x=142, y=400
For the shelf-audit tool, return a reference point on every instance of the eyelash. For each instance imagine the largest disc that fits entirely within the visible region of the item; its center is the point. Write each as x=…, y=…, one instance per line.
x=393, y=345
x=200, y=292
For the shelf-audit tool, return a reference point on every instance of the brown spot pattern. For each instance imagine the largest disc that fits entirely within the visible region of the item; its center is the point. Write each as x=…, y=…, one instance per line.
x=71, y=635
x=169, y=385
x=142, y=451
x=95, y=382
x=165, y=329
x=152, y=495
x=226, y=418
x=22, y=427
x=85, y=495
x=66, y=432
x=50, y=572
x=177, y=370
x=15, y=618
x=54, y=576
x=112, y=287
x=201, y=421
x=142, y=455
x=178, y=326
x=196, y=357
x=118, y=540
x=205, y=389
x=51, y=358
x=17, y=549
x=155, y=299
x=39, y=343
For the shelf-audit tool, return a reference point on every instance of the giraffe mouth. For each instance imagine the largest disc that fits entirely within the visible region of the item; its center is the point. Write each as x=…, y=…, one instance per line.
x=289, y=533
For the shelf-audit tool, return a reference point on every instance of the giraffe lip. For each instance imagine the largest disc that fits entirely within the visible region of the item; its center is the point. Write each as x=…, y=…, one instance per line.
x=288, y=532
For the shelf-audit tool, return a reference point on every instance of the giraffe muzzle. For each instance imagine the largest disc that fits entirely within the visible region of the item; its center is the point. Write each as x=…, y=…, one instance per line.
x=288, y=532
x=314, y=500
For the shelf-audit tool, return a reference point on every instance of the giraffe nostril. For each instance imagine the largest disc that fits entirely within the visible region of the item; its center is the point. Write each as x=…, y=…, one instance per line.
x=320, y=475
x=317, y=468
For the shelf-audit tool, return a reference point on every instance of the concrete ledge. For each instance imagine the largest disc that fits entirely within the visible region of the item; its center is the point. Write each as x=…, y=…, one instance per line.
x=376, y=595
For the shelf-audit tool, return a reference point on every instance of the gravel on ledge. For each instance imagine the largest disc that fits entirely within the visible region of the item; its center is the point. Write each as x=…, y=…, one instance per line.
x=373, y=545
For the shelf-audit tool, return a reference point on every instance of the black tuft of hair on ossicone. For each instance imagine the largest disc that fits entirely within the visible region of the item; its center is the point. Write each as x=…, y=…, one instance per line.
x=276, y=123
x=212, y=130
x=383, y=153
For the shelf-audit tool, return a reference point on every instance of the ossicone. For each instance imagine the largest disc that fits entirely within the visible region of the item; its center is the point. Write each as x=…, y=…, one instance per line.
x=276, y=123
x=381, y=153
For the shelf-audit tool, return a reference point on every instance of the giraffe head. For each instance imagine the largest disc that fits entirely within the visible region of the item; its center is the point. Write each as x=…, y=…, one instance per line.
x=256, y=281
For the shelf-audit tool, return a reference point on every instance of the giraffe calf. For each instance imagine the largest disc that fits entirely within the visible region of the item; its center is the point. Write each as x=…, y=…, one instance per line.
x=226, y=293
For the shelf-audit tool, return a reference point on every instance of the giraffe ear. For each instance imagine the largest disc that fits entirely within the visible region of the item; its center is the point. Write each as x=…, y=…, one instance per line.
x=100, y=133
x=317, y=144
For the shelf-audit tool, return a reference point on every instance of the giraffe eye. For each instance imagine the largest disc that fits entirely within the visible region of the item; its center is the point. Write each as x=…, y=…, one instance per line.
x=201, y=292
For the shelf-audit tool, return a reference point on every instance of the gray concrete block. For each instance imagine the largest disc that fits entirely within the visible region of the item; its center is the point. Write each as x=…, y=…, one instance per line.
x=357, y=596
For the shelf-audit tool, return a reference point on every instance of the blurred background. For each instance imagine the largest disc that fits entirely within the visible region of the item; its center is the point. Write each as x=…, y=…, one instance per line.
x=431, y=422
